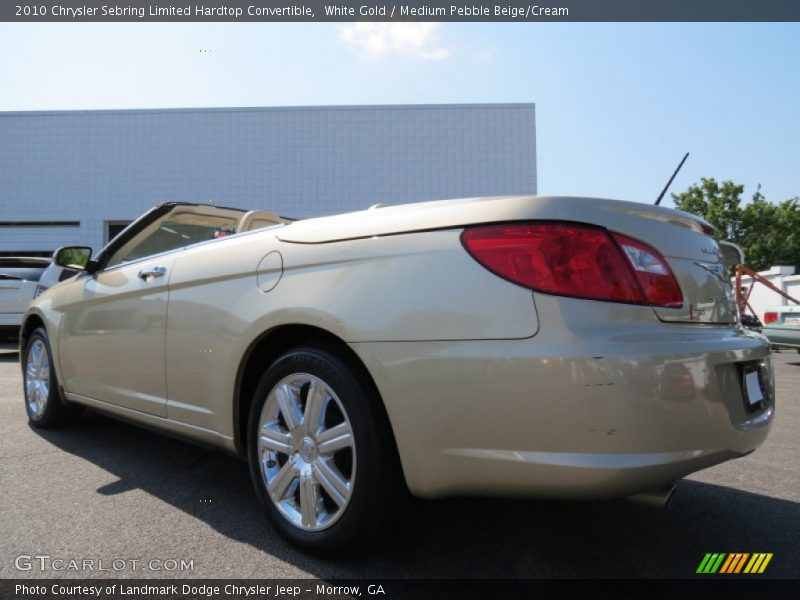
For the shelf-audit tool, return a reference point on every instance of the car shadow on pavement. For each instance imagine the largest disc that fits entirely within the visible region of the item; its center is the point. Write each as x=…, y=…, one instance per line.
x=456, y=538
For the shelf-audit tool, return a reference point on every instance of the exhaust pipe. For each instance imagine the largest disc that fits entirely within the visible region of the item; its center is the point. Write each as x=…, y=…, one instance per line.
x=659, y=498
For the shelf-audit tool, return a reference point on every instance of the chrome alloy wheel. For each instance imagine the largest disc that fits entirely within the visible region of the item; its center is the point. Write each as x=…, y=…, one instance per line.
x=307, y=452
x=37, y=378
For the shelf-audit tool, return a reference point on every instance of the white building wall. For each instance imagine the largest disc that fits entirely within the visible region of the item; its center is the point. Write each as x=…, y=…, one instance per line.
x=762, y=298
x=98, y=166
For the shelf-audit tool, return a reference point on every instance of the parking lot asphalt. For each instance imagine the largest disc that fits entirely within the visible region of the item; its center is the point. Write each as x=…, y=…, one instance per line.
x=106, y=490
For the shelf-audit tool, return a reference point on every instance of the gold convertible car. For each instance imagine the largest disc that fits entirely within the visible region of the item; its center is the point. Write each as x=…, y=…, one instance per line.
x=517, y=346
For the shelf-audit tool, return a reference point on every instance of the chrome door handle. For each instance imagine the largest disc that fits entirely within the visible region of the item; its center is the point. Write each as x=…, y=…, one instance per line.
x=152, y=273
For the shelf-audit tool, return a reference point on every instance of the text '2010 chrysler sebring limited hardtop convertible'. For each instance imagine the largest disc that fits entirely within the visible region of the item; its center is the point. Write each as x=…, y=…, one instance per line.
x=512, y=346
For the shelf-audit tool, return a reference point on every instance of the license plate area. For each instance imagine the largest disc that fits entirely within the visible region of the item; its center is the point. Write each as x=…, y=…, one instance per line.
x=754, y=392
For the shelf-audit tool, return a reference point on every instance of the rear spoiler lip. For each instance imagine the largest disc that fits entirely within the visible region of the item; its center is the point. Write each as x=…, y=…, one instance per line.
x=736, y=248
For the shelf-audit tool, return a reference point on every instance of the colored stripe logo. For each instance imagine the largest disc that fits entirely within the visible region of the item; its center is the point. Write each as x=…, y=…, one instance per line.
x=735, y=562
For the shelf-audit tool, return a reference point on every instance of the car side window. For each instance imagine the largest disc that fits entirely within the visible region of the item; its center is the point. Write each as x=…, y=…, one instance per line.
x=175, y=232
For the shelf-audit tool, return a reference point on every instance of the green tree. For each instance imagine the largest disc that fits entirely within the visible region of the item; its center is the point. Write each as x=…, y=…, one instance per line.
x=768, y=233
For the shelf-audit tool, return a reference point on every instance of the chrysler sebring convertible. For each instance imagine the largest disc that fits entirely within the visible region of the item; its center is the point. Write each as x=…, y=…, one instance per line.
x=508, y=346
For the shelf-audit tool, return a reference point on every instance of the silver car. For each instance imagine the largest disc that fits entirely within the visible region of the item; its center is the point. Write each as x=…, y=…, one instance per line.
x=782, y=326
x=508, y=346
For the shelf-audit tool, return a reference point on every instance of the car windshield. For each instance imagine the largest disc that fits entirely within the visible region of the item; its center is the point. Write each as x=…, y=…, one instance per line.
x=183, y=225
x=177, y=233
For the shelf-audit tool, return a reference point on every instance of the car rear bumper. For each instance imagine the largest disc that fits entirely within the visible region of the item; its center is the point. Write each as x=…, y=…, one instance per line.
x=605, y=415
x=782, y=336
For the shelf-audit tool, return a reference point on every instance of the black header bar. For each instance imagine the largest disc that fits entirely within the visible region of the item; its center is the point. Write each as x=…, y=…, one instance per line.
x=386, y=10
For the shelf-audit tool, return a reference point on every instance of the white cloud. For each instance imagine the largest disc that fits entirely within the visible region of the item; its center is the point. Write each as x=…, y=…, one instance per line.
x=379, y=39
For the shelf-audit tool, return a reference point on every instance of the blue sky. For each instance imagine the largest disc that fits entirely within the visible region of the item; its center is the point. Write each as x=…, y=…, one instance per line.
x=617, y=104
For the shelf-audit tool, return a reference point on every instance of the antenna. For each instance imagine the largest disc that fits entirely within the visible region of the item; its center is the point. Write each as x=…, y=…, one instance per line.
x=669, y=183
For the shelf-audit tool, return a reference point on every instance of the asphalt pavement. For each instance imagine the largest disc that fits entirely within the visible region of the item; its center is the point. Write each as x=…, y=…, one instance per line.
x=103, y=490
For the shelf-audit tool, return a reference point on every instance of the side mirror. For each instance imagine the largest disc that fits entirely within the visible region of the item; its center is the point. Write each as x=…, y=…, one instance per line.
x=73, y=257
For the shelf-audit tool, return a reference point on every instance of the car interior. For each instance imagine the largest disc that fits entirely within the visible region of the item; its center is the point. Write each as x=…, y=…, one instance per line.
x=188, y=224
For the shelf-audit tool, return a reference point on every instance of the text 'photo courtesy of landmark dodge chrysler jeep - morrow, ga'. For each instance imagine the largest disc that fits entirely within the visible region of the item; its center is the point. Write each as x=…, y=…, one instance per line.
x=507, y=346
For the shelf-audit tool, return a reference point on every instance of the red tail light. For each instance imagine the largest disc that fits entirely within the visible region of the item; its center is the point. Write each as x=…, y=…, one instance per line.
x=575, y=260
x=654, y=275
x=770, y=317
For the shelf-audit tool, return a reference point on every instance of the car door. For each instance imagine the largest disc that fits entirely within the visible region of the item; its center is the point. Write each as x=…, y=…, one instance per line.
x=112, y=334
x=113, y=330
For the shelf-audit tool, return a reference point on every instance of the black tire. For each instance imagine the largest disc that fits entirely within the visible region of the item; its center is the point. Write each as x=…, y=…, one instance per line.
x=53, y=412
x=377, y=484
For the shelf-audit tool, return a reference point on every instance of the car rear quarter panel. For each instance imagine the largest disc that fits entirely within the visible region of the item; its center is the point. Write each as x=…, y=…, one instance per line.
x=413, y=287
x=604, y=401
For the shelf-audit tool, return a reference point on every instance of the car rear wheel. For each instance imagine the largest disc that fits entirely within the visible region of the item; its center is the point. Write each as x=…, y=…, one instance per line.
x=320, y=450
x=42, y=400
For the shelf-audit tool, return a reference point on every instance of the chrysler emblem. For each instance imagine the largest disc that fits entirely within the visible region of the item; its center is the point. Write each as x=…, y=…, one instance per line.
x=715, y=269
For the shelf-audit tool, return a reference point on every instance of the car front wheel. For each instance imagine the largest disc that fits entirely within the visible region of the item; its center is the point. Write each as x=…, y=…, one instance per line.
x=42, y=400
x=320, y=450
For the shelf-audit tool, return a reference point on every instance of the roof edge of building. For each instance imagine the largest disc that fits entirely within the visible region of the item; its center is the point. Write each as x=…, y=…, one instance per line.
x=336, y=107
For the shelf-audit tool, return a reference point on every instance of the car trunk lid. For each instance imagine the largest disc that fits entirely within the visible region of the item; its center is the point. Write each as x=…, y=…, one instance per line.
x=686, y=242
x=784, y=316
x=15, y=294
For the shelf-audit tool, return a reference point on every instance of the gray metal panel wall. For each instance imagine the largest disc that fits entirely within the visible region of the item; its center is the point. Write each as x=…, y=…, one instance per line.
x=97, y=166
